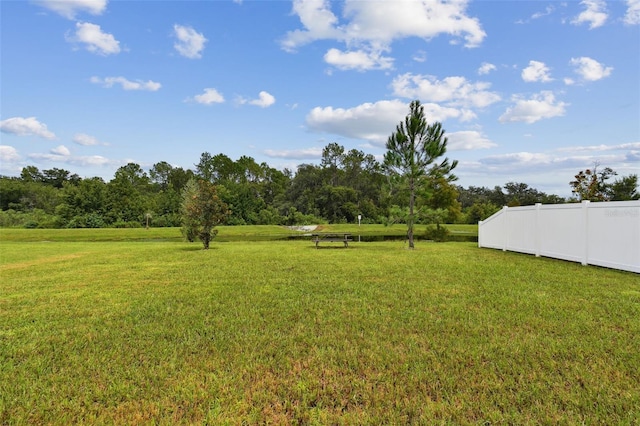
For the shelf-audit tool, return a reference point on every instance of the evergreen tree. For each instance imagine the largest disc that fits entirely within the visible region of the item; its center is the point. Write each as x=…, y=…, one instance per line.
x=412, y=151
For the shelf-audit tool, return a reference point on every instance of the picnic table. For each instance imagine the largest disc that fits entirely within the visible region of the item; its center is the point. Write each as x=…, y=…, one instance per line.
x=332, y=237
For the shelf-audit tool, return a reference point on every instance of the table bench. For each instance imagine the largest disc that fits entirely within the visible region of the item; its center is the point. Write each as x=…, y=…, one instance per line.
x=332, y=237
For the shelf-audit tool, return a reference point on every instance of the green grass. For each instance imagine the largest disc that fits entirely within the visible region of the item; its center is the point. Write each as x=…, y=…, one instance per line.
x=226, y=233
x=282, y=333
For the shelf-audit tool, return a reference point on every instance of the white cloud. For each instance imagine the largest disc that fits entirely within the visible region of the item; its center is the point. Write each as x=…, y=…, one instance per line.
x=29, y=126
x=126, y=84
x=595, y=14
x=468, y=140
x=486, y=68
x=383, y=22
x=542, y=105
x=294, y=154
x=86, y=140
x=602, y=147
x=359, y=60
x=536, y=71
x=61, y=150
x=94, y=39
x=91, y=160
x=210, y=96
x=453, y=91
x=372, y=26
x=190, y=43
x=8, y=154
x=370, y=121
x=548, y=11
x=590, y=69
x=632, y=17
x=70, y=8
x=317, y=19
x=539, y=163
x=264, y=100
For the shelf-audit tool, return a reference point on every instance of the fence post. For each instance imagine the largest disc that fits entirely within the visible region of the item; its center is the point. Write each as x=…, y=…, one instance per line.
x=585, y=230
x=537, y=230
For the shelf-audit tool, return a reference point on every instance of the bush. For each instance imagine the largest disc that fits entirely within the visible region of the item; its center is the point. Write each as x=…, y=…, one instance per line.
x=436, y=233
x=35, y=218
x=167, y=220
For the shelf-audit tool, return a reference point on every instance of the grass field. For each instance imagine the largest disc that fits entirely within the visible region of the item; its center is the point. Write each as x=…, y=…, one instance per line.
x=226, y=233
x=140, y=331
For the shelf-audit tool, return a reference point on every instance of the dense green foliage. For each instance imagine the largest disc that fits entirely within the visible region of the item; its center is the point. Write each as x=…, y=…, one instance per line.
x=344, y=185
x=162, y=332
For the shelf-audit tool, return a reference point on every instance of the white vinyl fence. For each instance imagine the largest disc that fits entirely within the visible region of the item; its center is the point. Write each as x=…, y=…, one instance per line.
x=603, y=233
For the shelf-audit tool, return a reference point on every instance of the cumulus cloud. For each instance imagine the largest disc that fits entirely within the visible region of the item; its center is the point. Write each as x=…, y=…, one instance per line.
x=453, y=91
x=209, y=97
x=595, y=14
x=370, y=121
x=486, y=68
x=265, y=99
x=70, y=8
x=61, y=150
x=590, y=69
x=318, y=20
x=94, y=40
x=468, y=140
x=541, y=105
x=8, y=154
x=536, y=71
x=126, y=84
x=632, y=16
x=383, y=22
x=29, y=126
x=359, y=60
x=369, y=28
x=86, y=140
x=190, y=43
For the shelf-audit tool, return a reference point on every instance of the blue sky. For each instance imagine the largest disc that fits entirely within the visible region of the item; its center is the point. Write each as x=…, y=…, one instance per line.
x=527, y=91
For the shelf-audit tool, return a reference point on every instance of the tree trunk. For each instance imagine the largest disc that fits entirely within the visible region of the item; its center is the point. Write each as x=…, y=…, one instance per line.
x=410, y=218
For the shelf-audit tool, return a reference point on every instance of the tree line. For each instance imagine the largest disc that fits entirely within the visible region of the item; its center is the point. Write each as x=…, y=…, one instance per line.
x=344, y=185
x=412, y=185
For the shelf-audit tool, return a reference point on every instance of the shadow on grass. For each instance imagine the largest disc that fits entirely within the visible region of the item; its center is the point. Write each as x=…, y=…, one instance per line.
x=321, y=247
x=196, y=248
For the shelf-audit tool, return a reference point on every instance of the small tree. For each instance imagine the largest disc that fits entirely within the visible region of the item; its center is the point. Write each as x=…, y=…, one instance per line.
x=411, y=154
x=591, y=184
x=202, y=211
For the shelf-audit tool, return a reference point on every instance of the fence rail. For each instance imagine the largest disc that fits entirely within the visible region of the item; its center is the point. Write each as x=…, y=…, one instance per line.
x=603, y=233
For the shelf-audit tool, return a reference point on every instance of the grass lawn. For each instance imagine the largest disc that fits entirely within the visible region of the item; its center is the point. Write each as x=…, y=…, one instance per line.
x=279, y=332
x=226, y=233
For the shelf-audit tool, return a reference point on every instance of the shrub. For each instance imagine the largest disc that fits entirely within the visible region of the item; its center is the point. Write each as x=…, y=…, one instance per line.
x=436, y=233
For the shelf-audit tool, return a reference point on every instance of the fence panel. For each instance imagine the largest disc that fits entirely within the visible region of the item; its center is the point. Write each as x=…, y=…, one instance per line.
x=604, y=234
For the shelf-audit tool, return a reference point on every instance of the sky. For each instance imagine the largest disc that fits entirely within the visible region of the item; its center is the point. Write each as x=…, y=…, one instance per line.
x=527, y=91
